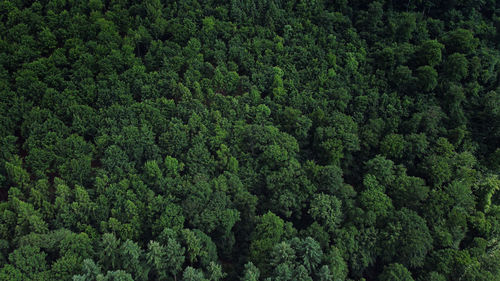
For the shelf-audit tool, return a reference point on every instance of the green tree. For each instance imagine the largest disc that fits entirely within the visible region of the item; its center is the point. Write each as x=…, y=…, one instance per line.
x=65, y=267
x=460, y=40
x=192, y=274
x=456, y=67
x=269, y=231
x=29, y=261
x=251, y=272
x=91, y=271
x=427, y=77
x=392, y=146
x=326, y=209
x=109, y=254
x=174, y=256
x=429, y=53
x=131, y=257
x=406, y=239
x=156, y=257
x=395, y=271
x=373, y=199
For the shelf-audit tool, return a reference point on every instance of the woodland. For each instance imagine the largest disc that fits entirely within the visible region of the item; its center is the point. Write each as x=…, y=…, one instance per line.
x=302, y=140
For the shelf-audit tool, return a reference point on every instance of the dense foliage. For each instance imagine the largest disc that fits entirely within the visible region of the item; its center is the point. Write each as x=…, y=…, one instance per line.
x=249, y=140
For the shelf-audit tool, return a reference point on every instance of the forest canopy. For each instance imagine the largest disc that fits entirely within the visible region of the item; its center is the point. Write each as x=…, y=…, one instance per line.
x=249, y=140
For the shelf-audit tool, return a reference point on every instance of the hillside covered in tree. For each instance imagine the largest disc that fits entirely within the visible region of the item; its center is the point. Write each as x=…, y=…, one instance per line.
x=304, y=140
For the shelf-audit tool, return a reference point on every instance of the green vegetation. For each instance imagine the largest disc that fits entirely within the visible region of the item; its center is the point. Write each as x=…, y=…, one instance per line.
x=249, y=140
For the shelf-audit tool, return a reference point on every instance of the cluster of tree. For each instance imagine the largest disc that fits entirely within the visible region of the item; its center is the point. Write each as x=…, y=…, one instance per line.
x=249, y=140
